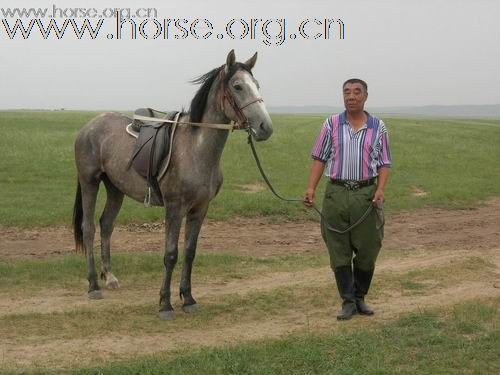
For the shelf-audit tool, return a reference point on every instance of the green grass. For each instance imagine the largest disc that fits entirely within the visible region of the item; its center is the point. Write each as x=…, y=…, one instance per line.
x=454, y=161
x=412, y=285
x=141, y=319
x=429, y=342
x=462, y=338
x=424, y=281
x=144, y=271
x=139, y=268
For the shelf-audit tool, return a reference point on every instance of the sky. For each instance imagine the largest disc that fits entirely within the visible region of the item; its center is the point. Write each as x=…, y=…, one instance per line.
x=411, y=53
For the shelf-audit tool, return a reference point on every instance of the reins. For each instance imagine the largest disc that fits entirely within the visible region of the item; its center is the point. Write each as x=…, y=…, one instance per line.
x=268, y=183
x=242, y=123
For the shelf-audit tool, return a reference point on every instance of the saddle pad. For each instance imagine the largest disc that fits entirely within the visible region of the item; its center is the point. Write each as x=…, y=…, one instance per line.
x=130, y=130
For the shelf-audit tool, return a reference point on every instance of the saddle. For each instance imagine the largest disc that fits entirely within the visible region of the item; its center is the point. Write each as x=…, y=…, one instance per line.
x=151, y=148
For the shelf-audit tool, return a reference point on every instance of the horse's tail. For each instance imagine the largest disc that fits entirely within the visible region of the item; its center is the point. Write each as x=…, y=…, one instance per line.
x=77, y=220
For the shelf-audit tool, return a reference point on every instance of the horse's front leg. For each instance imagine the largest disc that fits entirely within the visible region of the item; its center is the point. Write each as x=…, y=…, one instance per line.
x=173, y=221
x=194, y=220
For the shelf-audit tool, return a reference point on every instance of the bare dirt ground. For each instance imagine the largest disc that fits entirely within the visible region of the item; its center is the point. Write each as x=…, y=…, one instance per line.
x=432, y=238
x=477, y=228
x=47, y=352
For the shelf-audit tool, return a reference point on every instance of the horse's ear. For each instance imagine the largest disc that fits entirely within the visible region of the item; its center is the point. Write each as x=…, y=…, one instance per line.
x=231, y=59
x=251, y=62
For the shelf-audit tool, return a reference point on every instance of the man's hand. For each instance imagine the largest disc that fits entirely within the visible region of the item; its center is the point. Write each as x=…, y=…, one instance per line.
x=378, y=198
x=317, y=167
x=309, y=197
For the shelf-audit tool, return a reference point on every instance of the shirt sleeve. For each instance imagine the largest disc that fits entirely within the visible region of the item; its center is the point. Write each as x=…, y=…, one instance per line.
x=385, y=159
x=322, y=148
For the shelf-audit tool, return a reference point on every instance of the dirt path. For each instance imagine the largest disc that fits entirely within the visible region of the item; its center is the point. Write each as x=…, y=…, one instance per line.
x=437, y=238
x=115, y=346
x=476, y=228
x=64, y=300
x=56, y=353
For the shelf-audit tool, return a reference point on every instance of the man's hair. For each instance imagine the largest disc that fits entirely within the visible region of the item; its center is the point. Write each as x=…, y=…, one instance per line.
x=356, y=80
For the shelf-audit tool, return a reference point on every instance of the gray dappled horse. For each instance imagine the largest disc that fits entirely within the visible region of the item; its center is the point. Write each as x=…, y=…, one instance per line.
x=102, y=152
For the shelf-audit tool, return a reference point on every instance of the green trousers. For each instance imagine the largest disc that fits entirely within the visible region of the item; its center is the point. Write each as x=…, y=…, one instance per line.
x=341, y=208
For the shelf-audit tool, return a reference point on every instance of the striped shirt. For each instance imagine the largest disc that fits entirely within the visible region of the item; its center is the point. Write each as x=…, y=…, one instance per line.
x=352, y=155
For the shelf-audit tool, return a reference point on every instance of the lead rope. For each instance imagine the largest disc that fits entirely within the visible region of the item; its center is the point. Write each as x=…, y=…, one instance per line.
x=268, y=183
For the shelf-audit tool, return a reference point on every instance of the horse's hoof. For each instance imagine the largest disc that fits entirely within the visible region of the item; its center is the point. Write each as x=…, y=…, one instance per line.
x=167, y=315
x=190, y=308
x=111, y=281
x=95, y=294
x=113, y=285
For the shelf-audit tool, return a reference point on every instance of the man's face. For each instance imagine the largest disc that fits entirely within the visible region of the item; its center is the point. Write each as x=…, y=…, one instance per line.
x=354, y=97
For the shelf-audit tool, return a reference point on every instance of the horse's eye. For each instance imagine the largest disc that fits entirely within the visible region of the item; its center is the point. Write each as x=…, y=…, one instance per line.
x=238, y=87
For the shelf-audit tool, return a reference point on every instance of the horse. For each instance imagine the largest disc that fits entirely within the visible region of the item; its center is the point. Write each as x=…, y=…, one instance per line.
x=193, y=178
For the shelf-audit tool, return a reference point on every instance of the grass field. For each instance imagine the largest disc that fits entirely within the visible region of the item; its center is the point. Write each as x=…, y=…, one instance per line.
x=59, y=331
x=438, y=309
x=431, y=342
x=445, y=163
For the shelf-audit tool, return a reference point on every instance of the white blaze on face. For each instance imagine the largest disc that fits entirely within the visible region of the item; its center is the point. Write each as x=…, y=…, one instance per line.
x=249, y=82
x=253, y=107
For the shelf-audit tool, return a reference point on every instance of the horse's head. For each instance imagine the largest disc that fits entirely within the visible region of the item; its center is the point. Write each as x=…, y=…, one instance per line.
x=241, y=100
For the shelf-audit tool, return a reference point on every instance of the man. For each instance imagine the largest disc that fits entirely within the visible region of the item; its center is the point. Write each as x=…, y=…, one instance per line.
x=354, y=147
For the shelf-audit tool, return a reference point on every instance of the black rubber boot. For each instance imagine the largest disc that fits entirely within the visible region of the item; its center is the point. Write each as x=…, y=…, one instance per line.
x=362, y=281
x=345, y=285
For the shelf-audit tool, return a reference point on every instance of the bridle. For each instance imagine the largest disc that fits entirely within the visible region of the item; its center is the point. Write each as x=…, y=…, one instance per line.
x=242, y=123
x=225, y=94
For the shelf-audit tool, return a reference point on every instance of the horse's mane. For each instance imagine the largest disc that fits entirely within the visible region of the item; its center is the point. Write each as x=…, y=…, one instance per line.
x=199, y=102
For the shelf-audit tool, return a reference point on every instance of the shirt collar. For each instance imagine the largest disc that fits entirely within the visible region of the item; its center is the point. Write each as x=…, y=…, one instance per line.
x=369, y=121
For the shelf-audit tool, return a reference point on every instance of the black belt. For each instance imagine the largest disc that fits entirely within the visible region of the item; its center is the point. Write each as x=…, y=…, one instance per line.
x=353, y=184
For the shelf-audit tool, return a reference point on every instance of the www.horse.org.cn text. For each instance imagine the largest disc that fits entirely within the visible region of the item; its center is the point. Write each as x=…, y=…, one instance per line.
x=270, y=32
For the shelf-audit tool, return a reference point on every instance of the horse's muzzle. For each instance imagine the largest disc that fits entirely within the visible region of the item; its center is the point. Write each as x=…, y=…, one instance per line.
x=263, y=131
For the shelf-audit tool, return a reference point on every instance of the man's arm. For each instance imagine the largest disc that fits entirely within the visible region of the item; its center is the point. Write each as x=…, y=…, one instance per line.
x=317, y=168
x=383, y=176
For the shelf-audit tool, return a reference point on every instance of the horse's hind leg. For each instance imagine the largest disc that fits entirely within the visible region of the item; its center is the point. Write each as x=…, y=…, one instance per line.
x=90, y=188
x=114, y=202
x=173, y=222
x=194, y=220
